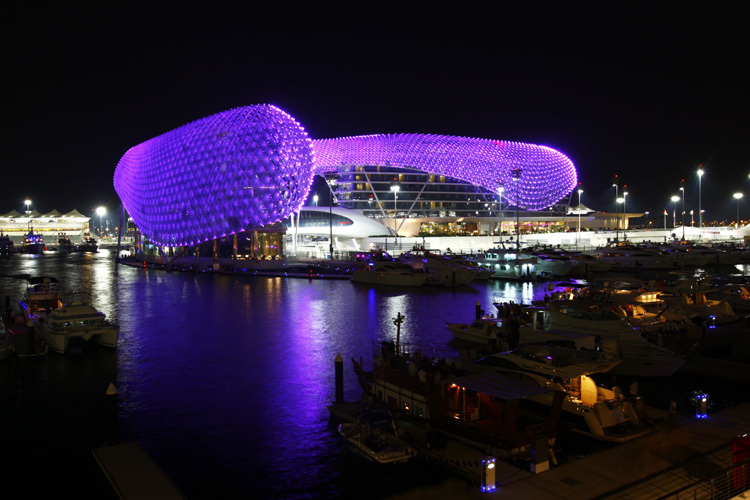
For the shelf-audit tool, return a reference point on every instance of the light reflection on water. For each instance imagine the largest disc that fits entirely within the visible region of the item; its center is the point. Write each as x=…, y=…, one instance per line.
x=225, y=380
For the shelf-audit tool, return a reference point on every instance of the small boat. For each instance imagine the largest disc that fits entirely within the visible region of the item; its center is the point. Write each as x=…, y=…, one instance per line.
x=7, y=247
x=33, y=244
x=374, y=436
x=78, y=318
x=440, y=270
x=389, y=273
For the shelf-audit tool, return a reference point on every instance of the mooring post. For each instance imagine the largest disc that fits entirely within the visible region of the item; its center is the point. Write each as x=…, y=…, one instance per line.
x=30, y=333
x=478, y=310
x=339, y=378
x=112, y=414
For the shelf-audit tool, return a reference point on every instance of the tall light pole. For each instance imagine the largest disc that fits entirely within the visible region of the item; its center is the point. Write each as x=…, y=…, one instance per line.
x=682, y=188
x=580, y=192
x=624, y=214
x=700, y=209
x=517, y=179
x=675, y=199
x=738, y=197
x=617, y=212
x=315, y=199
x=331, y=183
x=500, y=191
x=27, y=202
x=395, y=188
x=100, y=211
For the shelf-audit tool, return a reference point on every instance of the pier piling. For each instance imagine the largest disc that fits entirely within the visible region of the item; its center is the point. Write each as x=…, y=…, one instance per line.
x=112, y=415
x=339, y=370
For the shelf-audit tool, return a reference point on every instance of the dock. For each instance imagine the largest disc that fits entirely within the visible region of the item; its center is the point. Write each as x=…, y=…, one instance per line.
x=133, y=474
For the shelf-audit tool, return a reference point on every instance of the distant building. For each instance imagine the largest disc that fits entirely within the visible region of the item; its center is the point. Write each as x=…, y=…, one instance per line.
x=50, y=225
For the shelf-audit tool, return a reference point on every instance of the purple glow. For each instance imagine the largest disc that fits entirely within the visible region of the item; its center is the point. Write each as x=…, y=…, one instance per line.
x=253, y=166
x=546, y=175
x=242, y=168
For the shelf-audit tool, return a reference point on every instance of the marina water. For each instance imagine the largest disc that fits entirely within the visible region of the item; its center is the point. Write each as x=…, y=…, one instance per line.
x=224, y=379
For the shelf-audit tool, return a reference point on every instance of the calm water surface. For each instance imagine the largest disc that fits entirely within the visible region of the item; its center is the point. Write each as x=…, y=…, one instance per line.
x=224, y=380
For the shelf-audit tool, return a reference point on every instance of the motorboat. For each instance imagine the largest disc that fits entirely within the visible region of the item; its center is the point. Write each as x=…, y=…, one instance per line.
x=593, y=409
x=389, y=273
x=42, y=295
x=88, y=245
x=64, y=245
x=374, y=436
x=480, y=409
x=696, y=304
x=508, y=264
x=440, y=270
x=33, y=243
x=486, y=331
x=647, y=311
x=78, y=318
x=639, y=356
x=624, y=256
x=7, y=247
x=716, y=256
x=738, y=297
x=535, y=327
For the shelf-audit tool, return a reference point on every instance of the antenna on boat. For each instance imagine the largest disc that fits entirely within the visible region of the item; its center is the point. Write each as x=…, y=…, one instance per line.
x=397, y=321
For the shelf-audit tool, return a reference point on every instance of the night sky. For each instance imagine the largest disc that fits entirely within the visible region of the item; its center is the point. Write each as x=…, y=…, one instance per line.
x=625, y=88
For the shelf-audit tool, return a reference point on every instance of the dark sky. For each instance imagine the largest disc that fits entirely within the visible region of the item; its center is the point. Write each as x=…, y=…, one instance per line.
x=619, y=87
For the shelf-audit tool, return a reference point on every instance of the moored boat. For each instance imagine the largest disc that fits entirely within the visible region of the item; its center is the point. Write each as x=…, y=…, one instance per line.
x=33, y=243
x=374, y=437
x=7, y=247
x=78, y=318
x=389, y=273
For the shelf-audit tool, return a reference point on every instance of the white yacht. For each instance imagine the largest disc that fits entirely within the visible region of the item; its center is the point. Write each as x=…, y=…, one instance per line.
x=389, y=273
x=625, y=257
x=596, y=411
x=639, y=356
x=508, y=264
x=487, y=331
x=440, y=270
x=78, y=318
x=42, y=296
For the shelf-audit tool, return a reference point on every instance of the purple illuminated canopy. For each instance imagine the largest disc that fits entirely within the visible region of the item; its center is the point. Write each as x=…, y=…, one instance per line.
x=252, y=166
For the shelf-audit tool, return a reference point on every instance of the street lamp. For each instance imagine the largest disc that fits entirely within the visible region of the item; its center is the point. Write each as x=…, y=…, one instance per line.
x=617, y=212
x=675, y=199
x=738, y=197
x=395, y=188
x=580, y=192
x=500, y=190
x=517, y=179
x=100, y=211
x=331, y=183
x=315, y=199
x=682, y=188
x=27, y=202
x=624, y=214
x=700, y=210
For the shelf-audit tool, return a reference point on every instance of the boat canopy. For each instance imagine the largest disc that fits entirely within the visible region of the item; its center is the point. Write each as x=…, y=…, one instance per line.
x=499, y=386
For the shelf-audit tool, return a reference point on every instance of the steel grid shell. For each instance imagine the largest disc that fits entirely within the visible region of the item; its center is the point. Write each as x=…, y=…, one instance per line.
x=252, y=166
x=242, y=168
x=544, y=174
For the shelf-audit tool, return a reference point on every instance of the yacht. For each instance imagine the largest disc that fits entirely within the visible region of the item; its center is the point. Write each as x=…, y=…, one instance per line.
x=33, y=243
x=595, y=410
x=389, y=273
x=64, y=245
x=508, y=264
x=627, y=257
x=639, y=356
x=42, y=295
x=487, y=331
x=440, y=270
x=88, y=244
x=78, y=318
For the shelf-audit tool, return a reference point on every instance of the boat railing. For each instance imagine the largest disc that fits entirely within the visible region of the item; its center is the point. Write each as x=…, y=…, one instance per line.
x=732, y=482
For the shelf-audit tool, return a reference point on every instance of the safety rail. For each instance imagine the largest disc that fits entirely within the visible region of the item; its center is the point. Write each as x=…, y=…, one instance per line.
x=731, y=483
